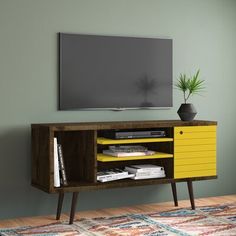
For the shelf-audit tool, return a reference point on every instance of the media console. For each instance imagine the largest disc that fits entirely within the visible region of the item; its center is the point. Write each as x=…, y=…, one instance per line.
x=187, y=153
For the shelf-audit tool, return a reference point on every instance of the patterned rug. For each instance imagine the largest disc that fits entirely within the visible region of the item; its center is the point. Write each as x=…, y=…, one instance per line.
x=217, y=220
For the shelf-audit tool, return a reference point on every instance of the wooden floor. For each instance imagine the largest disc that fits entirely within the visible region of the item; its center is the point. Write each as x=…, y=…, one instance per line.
x=115, y=211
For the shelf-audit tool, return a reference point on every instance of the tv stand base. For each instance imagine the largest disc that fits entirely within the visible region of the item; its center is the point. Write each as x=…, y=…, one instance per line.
x=75, y=198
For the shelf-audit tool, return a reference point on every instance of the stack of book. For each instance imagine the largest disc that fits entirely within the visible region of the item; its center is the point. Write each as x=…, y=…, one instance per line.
x=127, y=150
x=59, y=166
x=113, y=174
x=146, y=171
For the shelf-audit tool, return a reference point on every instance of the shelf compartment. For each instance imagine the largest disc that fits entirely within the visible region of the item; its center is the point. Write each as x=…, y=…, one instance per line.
x=106, y=158
x=105, y=141
x=79, y=154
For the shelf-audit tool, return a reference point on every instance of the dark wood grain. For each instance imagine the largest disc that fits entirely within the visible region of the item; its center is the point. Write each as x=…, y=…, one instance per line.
x=79, y=151
x=174, y=192
x=190, y=190
x=41, y=158
x=124, y=124
x=73, y=207
x=59, y=205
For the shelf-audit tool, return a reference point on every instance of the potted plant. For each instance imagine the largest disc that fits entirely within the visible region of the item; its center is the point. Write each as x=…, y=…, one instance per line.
x=189, y=86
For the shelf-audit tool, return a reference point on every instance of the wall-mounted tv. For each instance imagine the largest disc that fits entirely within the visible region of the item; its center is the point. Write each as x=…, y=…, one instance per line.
x=110, y=72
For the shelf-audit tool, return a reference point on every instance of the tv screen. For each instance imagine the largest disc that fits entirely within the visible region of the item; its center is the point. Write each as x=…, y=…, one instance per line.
x=109, y=72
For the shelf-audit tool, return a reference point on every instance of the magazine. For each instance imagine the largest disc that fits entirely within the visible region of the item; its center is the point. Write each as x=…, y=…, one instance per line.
x=127, y=154
x=144, y=168
x=112, y=178
x=128, y=148
x=111, y=174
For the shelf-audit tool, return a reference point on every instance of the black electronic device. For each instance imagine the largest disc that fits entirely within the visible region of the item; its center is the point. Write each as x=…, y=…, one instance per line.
x=135, y=134
x=113, y=72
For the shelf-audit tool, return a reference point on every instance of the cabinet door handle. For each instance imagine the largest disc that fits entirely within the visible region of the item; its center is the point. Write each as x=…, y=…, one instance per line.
x=181, y=132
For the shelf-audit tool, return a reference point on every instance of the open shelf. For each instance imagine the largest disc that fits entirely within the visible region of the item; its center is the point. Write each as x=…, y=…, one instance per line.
x=105, y=141
x=105, y=158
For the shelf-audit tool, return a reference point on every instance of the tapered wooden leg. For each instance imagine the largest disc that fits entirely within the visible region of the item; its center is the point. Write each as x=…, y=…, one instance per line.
x=59, y=205
x=190, y=191
x=174, y=192
x=73, y=207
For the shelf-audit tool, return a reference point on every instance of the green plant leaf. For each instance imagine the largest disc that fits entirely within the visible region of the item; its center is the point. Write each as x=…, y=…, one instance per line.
x=190, y=86
x=182, y=83
x=195, y=85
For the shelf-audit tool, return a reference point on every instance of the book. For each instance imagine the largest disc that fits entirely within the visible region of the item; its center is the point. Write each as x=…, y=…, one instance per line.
x=137, y=171
x=56, y=165
x=112, y=173
x=144, y=168
x=147, y=174
x=62, y=171
x=127, y=154
x=148, y=177
x=128, y=148
x=146, y=171
x=113, y=178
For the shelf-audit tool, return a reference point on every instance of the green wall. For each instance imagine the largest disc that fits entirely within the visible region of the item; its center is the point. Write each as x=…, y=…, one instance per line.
x=204, y=36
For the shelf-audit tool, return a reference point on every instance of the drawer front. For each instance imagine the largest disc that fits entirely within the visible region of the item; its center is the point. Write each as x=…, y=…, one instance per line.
x=195, y=132
x=194, y=151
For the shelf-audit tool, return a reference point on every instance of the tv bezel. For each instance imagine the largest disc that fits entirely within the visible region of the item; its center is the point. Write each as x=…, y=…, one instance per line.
x=110, y=108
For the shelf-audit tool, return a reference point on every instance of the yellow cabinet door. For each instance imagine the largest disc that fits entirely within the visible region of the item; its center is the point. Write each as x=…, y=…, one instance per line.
x=194, y=151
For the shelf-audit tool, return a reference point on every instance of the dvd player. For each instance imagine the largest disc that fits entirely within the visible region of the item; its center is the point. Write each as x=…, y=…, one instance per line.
x=135, y=134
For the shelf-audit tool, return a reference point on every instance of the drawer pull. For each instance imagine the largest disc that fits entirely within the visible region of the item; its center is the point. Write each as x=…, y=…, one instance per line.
x=181, y=132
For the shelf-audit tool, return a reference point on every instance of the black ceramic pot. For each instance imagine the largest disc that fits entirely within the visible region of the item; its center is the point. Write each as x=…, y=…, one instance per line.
x=187, y=112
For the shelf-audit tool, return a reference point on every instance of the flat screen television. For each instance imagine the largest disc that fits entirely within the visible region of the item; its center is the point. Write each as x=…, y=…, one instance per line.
x=110, y=72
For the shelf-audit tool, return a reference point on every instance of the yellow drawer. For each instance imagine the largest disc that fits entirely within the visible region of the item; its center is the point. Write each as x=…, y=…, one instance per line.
x=195, y=160
x=195, y=148
x=186, y=155
x=199, y=173
x=199, y=141
x=195, y=132
x=197, y=167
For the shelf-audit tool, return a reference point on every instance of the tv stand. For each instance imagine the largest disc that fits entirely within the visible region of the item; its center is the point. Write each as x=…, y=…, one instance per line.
x=187, y=153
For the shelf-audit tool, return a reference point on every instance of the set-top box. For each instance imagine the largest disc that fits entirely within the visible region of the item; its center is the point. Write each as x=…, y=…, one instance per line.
x=135, y=134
